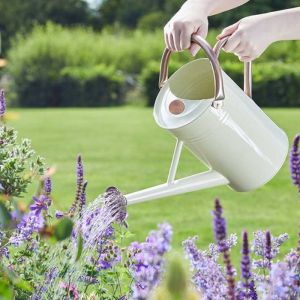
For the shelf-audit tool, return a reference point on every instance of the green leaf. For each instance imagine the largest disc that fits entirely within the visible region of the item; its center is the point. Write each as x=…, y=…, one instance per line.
x=79, y=246
x=5, y=217
x=5, y=292
x=63, y=229
x=23, y=285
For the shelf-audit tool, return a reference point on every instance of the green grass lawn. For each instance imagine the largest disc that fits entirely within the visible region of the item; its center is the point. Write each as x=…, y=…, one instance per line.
x=124, y=147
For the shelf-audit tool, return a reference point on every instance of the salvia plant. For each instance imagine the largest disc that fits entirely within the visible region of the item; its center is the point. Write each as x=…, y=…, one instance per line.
x=84, y=253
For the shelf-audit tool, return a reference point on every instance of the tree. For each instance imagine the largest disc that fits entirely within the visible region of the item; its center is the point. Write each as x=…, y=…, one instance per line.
x=21, y=16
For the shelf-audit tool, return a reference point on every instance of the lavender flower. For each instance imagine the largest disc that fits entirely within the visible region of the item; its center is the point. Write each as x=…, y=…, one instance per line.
x=88, y=279
x=109, y=255
x=49, y=277
x=48, y=186
x=208, y=276
x=259, y=244
x=295, y=162
x=59, y=214
x=267, y=251
x=40, y=204
x=29, y=224
x=248, y=289
x=220, y=236
x=2, y=103
x=219, y=226
x=281, y=283
x=79, y=172
x=268, y=254
x=82, y=200
x=4, y=252
x=146, y=261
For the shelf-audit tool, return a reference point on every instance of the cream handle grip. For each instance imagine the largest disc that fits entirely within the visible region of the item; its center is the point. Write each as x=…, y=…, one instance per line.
x=219, y=87
x=247, y=67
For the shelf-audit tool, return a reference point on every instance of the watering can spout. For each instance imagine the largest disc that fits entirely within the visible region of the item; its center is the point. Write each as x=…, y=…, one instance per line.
x=188, y=184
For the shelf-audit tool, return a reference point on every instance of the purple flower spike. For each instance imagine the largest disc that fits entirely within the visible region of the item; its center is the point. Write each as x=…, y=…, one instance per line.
x=147, y=261
x=48, y=186
x=220, y=236
x=82, y=200
x=219, y=226
x=252, y=291
x=295, y=162
x=245, y=268
x=79, y=173
x=268, y=248
x=2, y=103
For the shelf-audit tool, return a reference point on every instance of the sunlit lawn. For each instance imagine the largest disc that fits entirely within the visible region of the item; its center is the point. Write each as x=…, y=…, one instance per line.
x=124, y=147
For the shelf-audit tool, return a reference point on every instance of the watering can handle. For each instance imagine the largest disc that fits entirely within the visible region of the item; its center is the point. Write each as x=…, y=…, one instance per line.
x=219, y=87
x=213, y=55
x=247, y=66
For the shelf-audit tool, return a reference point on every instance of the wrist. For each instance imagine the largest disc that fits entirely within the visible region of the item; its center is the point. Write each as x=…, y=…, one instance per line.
x=202, y=6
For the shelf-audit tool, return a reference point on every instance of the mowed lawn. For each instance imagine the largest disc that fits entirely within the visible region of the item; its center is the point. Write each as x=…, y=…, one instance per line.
x=124, y=147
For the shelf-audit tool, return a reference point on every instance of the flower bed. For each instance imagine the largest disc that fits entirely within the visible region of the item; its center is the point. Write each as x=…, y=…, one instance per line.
x=82, y=253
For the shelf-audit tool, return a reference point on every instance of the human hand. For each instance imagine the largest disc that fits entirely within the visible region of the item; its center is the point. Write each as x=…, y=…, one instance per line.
x=190, y=19
x=249, y=37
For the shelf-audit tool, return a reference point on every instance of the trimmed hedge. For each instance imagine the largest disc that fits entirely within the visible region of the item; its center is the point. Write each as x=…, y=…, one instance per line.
x=81, y=86
x=274, y=83
x=55, y=66
x=36, y=65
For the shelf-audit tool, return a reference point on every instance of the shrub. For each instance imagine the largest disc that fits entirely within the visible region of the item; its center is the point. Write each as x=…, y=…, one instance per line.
x=95, y=86
x=149, y=79
x=36, y=63
x=152, y=20
x=274, y=83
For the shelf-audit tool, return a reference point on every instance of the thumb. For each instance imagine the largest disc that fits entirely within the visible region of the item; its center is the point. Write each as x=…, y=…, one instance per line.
x=228, y=30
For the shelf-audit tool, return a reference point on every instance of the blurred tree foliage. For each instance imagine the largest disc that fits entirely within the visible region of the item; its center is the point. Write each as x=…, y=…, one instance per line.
x=21, y=16
x=129, y=12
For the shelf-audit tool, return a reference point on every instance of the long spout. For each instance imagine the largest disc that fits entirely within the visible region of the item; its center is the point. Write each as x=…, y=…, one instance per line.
x=188, y=184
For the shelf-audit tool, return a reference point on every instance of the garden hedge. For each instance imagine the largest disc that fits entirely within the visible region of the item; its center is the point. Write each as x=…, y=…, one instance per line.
x=274, y=83
x=38, y=62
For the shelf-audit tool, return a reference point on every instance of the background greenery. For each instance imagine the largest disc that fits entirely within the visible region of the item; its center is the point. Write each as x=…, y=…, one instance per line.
x=67, y=54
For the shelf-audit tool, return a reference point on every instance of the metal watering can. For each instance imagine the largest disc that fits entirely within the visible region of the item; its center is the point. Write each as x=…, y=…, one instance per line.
x=219, y=123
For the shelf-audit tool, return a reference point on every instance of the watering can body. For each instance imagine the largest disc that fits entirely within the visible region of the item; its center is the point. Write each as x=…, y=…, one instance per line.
x=238, y=140
x=220, y=124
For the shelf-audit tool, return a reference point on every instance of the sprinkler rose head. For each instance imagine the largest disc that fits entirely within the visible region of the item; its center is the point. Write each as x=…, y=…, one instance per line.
x=116, y=204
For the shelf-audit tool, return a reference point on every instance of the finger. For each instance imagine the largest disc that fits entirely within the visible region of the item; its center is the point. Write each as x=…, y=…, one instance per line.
x=232, y=43
x=176, y=36
x=168, y=41
x=239, y=48
x=228, y=30
x=185, y=38
x=194, y=48
x=171, y=41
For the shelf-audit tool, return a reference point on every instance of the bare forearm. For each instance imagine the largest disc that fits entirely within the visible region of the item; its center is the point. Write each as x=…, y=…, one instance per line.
x=285, y=24
x=213, y=7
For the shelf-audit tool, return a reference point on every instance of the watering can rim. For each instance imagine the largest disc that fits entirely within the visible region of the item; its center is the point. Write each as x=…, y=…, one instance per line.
x=213, y=55
x=204, y=104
